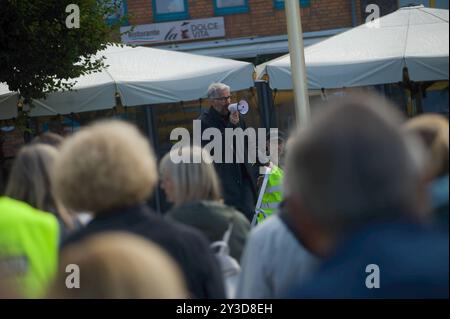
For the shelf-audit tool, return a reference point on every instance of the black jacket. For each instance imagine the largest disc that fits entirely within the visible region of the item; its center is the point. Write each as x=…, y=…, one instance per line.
x=238, y=180
x=186, y=245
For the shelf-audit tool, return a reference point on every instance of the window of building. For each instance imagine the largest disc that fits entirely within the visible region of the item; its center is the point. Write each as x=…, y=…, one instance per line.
x=120, y=10
x=169, y=10
x=279, y=4
x=386, y=7
x=440, y=4
x=407, y=3
x=222, y=7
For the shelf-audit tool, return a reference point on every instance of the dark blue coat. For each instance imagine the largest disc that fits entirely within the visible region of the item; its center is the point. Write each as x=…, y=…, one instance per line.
x=413, y=263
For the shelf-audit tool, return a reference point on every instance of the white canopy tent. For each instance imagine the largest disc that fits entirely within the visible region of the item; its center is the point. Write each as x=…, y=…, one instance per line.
x=141, y=76
x=413, y=37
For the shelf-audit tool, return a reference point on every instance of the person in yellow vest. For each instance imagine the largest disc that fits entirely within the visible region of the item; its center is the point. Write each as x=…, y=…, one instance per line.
x=270, y=192
x=28, y=248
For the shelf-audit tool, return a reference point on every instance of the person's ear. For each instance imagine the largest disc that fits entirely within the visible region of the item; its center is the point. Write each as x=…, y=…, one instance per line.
x=306, y=230
x=422, y=208
x=291, y=205
x=280, y=148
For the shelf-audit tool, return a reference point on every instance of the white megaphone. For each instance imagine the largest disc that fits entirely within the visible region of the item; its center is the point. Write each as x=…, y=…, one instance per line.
x=241, y=107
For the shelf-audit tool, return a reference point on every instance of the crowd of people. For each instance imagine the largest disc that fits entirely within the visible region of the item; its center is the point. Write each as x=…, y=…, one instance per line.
x=363, y=212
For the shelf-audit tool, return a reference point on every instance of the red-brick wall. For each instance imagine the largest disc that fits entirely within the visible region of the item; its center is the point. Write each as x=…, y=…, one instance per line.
x=262, y=20
x=10, y=142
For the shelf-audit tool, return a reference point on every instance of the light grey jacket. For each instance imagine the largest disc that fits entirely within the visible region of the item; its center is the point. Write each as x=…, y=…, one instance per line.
x=272, y=262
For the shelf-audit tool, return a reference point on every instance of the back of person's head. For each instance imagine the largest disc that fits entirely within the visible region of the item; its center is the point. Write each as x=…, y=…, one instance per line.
x=48, y=138
x=352, y=166
x=194, y=180
x=107, y=165
x=30, y=179
x=118, y=266
x=433, y=131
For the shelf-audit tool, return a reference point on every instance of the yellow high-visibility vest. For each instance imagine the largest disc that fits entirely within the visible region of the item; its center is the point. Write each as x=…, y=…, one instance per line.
x=28, y=247
x=271, y=194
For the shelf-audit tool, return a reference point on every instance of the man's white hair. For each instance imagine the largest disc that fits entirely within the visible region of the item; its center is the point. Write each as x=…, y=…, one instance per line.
x=215, y=88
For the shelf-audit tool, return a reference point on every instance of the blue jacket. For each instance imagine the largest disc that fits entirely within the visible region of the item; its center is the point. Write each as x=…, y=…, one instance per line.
x=438, y=191
x=413, y=263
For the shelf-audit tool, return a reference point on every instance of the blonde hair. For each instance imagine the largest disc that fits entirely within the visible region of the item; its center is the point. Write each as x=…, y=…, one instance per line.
x=105, y=166
x=48, y=138
x=433, y=130
x=30, y=180
x=192, y=181
x=117, y=266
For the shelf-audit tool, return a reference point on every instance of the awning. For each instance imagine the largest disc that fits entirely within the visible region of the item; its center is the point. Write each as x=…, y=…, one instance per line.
x=141, y=76
x=413, y=37
x=251, y=47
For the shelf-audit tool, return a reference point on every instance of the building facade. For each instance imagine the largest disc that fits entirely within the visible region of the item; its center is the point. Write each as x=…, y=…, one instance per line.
x=251, y=30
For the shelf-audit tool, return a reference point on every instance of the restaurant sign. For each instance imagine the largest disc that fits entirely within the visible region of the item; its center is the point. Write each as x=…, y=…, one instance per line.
x=184, y=30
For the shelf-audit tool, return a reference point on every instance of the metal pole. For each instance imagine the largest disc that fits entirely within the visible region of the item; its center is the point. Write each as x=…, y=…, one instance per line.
x=298, y=69
x=263, y=102
x=151, y=132
x=353, y=6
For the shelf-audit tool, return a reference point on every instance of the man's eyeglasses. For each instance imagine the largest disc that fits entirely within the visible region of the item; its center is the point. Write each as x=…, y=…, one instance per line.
x=223, y=99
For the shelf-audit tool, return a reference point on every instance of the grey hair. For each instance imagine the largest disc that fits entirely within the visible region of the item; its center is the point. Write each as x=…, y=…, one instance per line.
x=192, y=181
x=213, y=89
x=352, y=165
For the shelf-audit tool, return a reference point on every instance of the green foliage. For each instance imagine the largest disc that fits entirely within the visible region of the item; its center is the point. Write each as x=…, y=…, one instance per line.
x=39, y=53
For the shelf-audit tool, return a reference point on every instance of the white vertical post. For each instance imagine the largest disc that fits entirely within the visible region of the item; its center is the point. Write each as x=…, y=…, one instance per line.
x=298, y=68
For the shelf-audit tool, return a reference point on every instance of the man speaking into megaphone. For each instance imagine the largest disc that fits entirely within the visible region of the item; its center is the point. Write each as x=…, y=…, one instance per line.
x=235, y=109
x=240, y=107
x=238, y=180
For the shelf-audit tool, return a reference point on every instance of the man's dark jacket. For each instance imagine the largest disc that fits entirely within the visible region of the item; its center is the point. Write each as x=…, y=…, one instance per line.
x=238, y=180
x=184, y=244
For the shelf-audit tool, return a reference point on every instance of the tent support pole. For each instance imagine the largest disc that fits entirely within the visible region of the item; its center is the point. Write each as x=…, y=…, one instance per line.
x=265, y=102
x=151, y=132
x=354, y=19
x=297, y=53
